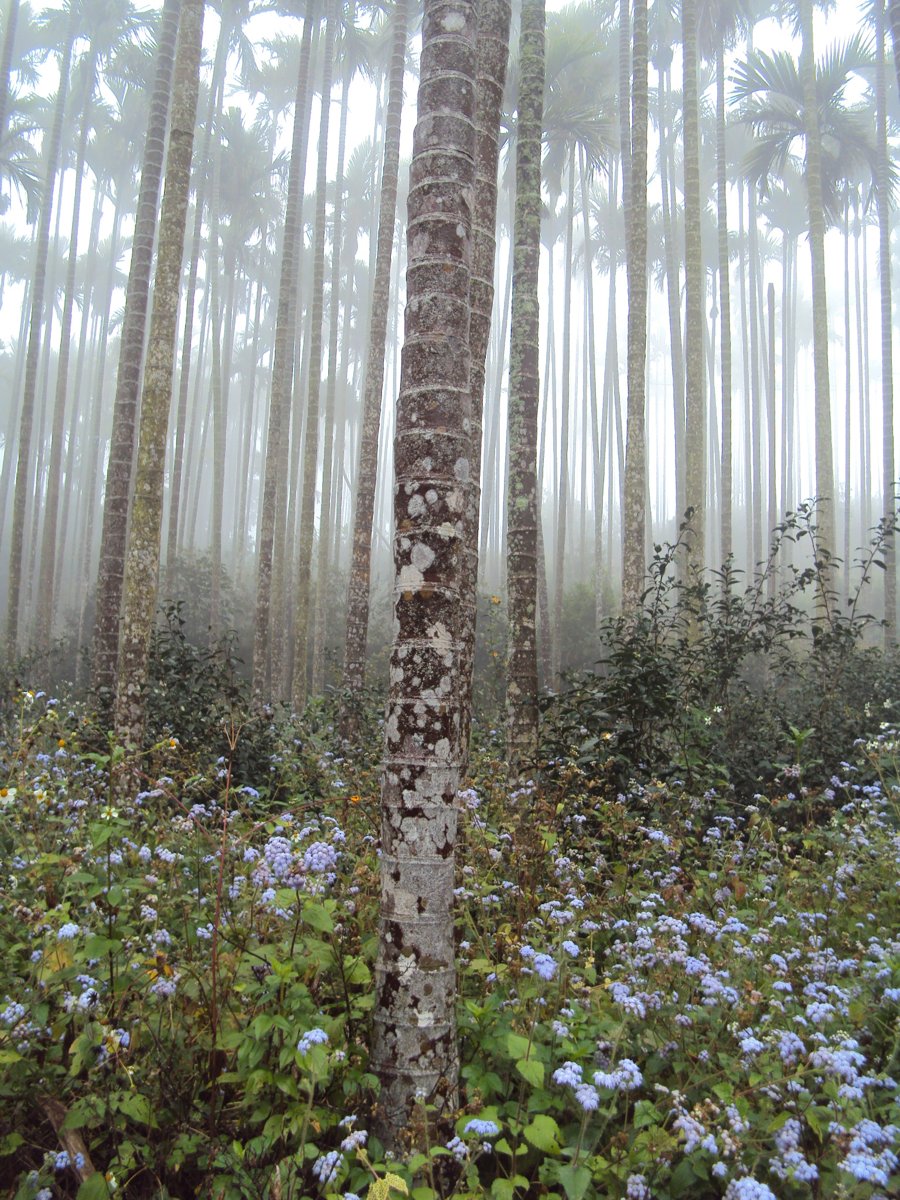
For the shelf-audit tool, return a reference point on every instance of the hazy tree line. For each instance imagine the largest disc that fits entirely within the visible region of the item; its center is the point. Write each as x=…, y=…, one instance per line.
x=729, y=205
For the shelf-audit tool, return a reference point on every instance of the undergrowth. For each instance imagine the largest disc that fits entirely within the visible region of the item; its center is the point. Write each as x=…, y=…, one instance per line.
x=660, y=995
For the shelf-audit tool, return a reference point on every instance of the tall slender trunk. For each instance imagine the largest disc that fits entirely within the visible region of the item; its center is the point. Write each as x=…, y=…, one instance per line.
x=562, y=462
x=131, y=353
x=35, y=329
x=303, y=573
x=635, y=483
x=523, y=499
x=320, y=623
x=493, y=53
x=882, y=194
x=142, y=563
x=47, y=582
x=816, y=210
x=9, y=39
x=282, y=360
x=695, y=288
x=415, y=1051
x=727, y=486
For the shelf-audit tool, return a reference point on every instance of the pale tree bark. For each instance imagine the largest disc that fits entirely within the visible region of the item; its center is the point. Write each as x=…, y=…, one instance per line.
x=9, y=39
x=816, y=208
x=143, y=552
x=32, y=355
x=320, y=624
x=415, y=1052
x=48, y=582
x=562, y=491
x=282, y=365
x=493, y=54
x=354, y=675
x=883, y=201
x=695, y=286
x=726, y=491
x=522, y=507
x=634, y=517
x=303, y=577
x=893, y=16
x=114, y=528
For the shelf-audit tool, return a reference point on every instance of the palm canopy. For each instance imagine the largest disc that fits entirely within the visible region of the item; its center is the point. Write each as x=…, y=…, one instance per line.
x=769, y=91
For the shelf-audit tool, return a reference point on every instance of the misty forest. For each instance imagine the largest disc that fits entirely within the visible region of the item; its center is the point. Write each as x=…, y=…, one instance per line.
x=449, y=687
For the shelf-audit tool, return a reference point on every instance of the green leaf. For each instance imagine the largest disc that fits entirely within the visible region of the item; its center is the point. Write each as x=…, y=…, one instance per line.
x=137, y=1107
x=575, y=1180
x=9, y=1056
x=319, y=918
x=93, y=1188
x=517, y=1046
x=380, y=1189
x=543, y=1133
x=532, y=1070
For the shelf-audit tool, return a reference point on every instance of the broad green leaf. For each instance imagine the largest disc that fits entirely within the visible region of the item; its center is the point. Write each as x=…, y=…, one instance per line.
x=318, y=917
x=575, y=1180
x=517, y=1046
x=532, y=1070
x=93, y=1188
x=543, y=1133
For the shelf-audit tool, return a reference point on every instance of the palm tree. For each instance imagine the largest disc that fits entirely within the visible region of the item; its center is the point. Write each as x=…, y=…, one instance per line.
x=373, y=386
x=883, y=199
x=522, y=509
x=635, y=485
x=784, y=106
x=493, y=55
x=415, y=1052
x=143, y=551
x=51, y=155
x=111, y=568
x=282, y=366
x=303, y=595
x=695, y=288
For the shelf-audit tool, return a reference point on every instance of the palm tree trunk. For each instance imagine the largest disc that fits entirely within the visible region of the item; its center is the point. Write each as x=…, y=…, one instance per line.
x=121, y=452
x=562, y=462
x=281, y=371
x=493, y=17
x=415, y=1051
x=142, y=561
x=9, y=39
x=635, y=482
x=695, y=397
x=303, y=573
x=882, y=195
x=523, y=500
x=727, y=487
x=822, y=387
x=38, y=286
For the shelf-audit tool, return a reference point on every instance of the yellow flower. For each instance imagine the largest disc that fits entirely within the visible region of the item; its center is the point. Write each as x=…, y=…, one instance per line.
x=61, y=742
x=355, y=799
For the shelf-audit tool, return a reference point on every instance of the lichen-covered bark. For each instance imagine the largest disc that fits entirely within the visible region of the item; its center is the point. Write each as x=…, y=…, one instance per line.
x=364, y=507
x=303, y=578
x=415, y=1049
x=493, y=54
x=281, y=370
x=142, y=561
x=524, y=389
x=695, y=286
x=634, y=515
x=822, y=386
x=131, y=355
